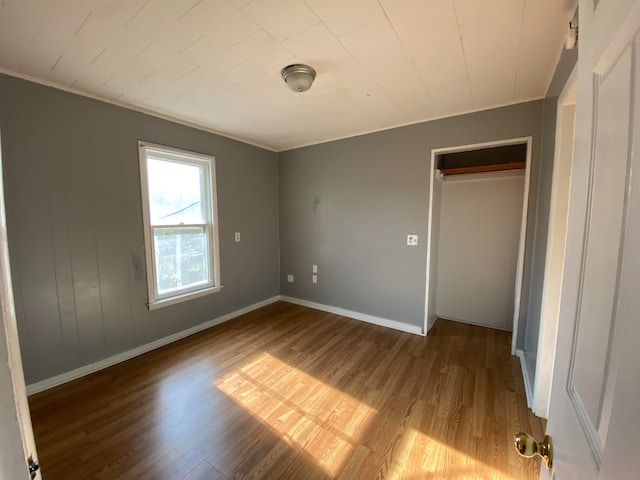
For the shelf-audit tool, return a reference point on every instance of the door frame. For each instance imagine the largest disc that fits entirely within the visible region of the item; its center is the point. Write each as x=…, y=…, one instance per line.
x=431, y=267
x=16, y=436
x=553, y=268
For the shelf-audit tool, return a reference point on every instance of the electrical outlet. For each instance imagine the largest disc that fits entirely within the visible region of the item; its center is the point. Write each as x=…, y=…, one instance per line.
x=315, y=269
x=412, y=240
x=237, y=236
x=314, y=279
x=290, y=278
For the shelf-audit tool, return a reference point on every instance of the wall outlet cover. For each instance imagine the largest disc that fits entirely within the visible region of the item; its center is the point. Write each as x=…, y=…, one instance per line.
x=412, y=240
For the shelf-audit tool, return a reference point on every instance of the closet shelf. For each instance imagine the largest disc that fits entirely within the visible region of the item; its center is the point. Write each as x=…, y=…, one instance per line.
x=484, y=168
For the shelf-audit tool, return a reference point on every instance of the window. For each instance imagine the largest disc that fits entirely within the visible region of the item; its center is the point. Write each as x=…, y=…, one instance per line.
x=180, y=224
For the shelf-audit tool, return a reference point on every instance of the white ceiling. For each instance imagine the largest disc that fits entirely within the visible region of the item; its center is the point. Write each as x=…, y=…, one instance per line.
x=216, y=63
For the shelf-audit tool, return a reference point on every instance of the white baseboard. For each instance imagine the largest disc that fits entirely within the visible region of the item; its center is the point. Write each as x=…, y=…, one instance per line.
x=383, y=322
x=474, y=323
x=528, y=388
x=121, y=357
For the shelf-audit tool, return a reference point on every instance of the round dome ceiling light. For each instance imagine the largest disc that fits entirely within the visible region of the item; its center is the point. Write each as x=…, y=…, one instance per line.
x=299, y=77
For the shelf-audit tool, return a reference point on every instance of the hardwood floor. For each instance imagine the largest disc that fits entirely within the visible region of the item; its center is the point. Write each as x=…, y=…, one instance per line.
x=290, y=392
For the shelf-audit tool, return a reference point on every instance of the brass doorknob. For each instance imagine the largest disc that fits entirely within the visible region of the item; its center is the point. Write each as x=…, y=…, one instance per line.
x=528, y=447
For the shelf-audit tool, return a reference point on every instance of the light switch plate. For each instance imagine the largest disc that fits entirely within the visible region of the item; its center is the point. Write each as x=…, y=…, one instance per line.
x=315, y=269
x=290, y=278
x=412, y=240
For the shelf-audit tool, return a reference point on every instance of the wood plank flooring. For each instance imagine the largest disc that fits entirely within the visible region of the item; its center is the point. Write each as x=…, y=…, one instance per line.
x=288, y=392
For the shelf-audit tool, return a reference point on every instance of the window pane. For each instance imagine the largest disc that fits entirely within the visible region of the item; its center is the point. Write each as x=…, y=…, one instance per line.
x=175, y=192
x=182, y=258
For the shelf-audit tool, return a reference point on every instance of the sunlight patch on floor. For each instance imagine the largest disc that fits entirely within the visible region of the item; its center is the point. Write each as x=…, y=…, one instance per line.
x=420, y=456
x=308, y=414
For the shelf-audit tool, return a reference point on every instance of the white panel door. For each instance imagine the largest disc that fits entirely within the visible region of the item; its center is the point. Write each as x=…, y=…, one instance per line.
x=593, y=416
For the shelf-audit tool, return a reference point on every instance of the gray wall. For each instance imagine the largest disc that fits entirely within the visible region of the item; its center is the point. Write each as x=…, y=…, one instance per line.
x=75, y=227
x=539, y=246
x=348, y=206
x=567, y=61
x=74, y=219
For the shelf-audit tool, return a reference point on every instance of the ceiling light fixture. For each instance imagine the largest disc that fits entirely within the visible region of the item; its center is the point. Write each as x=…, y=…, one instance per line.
x=299, y=77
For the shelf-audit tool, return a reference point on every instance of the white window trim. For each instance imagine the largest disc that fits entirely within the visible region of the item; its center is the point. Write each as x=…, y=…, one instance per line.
x=156, y=300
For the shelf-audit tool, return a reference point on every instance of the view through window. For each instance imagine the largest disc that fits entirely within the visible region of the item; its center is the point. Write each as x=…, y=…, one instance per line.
x=180, y=223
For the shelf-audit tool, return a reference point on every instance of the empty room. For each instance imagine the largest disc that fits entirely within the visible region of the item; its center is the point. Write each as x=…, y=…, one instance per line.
x=319, y=239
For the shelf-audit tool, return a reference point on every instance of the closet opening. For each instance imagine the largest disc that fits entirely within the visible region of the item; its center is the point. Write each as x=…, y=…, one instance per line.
x=477, y=214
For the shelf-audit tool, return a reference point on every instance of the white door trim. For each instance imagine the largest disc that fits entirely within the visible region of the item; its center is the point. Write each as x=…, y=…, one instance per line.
x=554, y=256
x=431, y=283
x=16, y=434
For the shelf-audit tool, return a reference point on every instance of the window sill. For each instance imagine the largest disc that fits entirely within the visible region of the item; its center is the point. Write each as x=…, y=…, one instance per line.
x=165, y=302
